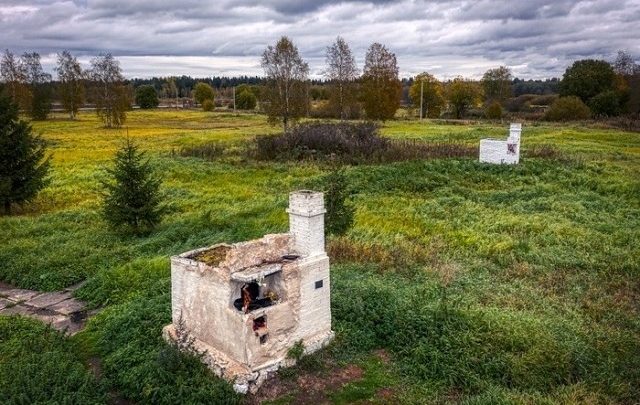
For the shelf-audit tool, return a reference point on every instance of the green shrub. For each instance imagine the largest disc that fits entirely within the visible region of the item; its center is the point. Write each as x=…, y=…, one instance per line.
x=203, y=92
x=208, y=105
x=339, y=217
x=605, y=104
x=546, y=99
x=132, y=195
x=246, y=100
x=146, y=96
x=520, y=103
x=567, y=109
x=493, y=111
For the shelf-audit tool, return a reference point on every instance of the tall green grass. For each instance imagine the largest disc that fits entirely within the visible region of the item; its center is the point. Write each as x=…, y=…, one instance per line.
x=486, y=284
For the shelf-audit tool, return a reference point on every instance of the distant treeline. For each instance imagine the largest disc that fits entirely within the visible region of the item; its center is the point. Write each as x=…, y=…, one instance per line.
x=185, y=84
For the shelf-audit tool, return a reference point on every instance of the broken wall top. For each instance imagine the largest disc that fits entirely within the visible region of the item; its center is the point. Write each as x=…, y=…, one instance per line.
x=223, y=259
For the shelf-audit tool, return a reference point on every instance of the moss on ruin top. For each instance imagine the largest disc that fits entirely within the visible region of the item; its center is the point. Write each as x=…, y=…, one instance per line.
x=213, y=256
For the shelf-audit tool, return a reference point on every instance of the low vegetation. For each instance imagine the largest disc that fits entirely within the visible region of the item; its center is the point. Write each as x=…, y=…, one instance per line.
x=352, y=143
x=458, y=282
x=568, y=108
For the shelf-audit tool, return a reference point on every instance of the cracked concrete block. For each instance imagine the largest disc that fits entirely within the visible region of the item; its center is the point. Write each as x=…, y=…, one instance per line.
x=5, y=303
x=18, y=310
x=48, y=299
x=68, y=306
x=18, y=294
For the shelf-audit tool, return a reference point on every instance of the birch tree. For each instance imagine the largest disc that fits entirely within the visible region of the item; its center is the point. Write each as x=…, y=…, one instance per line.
x=286, y=97
x=110, y=94
x=342, y=73
x=72, y=79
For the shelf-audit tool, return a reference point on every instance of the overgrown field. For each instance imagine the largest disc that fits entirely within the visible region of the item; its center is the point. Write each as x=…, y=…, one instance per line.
x=480, y=284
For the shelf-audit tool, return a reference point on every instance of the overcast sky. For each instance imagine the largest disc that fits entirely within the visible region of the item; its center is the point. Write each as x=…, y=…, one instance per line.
x=535, y=38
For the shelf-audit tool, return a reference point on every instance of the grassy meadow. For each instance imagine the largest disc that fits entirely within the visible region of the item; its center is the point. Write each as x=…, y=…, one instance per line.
x=459, y=282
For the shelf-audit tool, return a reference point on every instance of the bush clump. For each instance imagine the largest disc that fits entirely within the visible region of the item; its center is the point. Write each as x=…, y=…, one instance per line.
x=207, y=151
x=605, y=104
x=208, y=105
x=322, y=140
x=493, y=111
x=567, y=109
x=147, y=97
x=246, y=100
x=350, y=143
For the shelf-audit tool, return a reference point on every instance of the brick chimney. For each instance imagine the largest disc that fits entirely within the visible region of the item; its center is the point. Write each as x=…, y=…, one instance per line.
x=306, y=221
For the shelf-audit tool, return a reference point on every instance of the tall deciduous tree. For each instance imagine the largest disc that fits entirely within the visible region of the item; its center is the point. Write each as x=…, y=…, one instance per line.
x=342, y=73
x=462, y=94
x=110, y=95
x=625, y=65
x=496, y=84
x=72, y=80
x=628, y=82
x=14, y=75
x=23, y=165
x=432, y=92
x=381, y=88
x=39, y=86
x=285, y=95
x=587, y=78
x=170, y=89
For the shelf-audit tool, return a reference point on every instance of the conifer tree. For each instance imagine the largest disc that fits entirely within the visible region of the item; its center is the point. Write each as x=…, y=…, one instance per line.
x=339, y=218
x=132, y=196
x=23, y=164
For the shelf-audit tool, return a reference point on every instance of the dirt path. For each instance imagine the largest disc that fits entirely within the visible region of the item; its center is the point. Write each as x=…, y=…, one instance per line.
x=58, y=308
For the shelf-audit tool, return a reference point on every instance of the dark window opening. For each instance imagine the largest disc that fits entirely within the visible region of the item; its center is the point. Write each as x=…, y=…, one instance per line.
x=249, y=300
x=319, y=284
x=260, y=329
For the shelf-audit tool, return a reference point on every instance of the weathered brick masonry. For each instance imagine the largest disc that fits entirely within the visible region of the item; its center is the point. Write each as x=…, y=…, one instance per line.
x=247, y=304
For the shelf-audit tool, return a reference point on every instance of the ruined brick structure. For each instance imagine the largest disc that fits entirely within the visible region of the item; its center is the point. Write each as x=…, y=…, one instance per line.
x=502, y=152
x=247, y=304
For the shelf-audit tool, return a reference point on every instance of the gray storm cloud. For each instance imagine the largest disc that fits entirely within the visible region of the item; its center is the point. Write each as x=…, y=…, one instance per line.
x=536, y=38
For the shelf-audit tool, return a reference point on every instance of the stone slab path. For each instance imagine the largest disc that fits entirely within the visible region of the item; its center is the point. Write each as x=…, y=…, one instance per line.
x=59, y=308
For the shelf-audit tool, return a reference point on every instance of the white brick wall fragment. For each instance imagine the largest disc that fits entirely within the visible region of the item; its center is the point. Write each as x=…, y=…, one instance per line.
x=203, y=298
x=502, y=152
